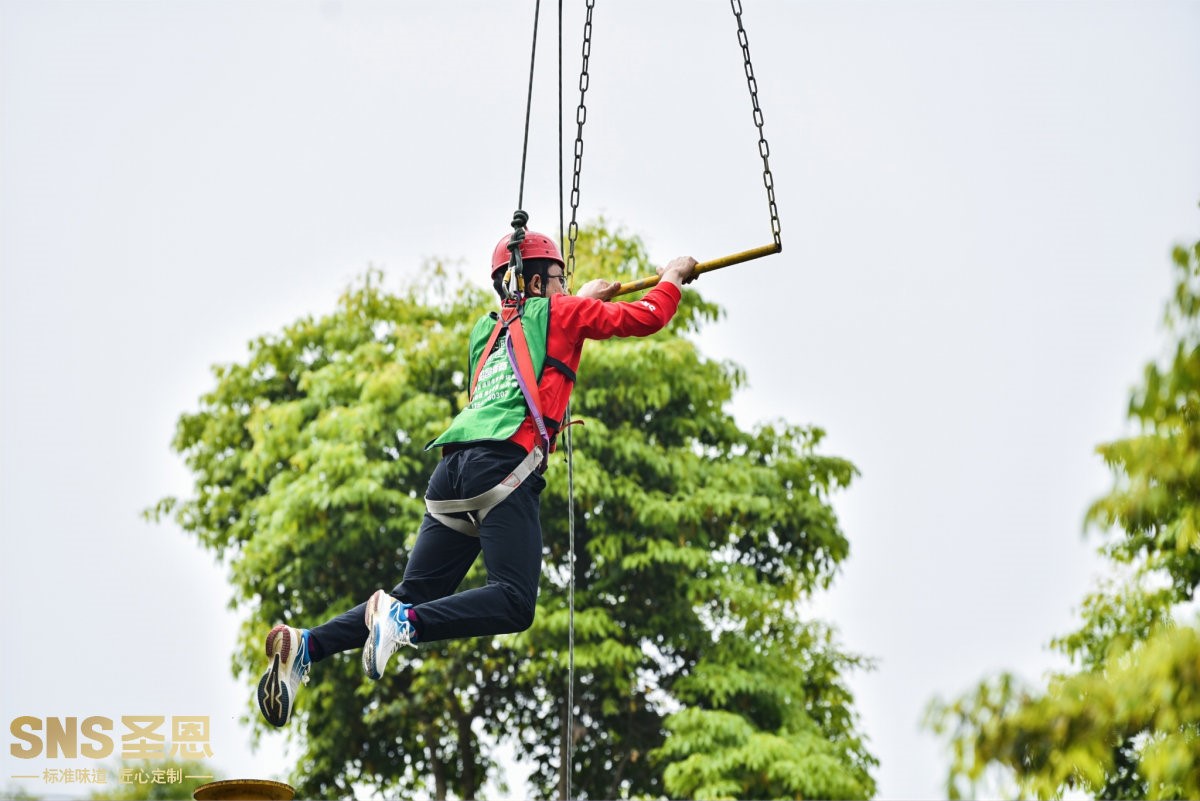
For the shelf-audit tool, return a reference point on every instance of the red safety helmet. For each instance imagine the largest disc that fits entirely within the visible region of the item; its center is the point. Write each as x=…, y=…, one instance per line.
x=534, y=246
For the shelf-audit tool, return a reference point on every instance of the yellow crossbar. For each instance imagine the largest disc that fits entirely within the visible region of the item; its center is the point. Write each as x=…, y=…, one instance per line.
x=706, y=266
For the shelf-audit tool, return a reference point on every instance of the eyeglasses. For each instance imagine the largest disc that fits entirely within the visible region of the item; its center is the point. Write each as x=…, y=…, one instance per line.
x=562, y=278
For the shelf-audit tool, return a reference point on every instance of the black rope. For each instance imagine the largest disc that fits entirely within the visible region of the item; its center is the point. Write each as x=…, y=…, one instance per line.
x=568, y=744
x=514, y=288
x=561, y=227
x=528, y=104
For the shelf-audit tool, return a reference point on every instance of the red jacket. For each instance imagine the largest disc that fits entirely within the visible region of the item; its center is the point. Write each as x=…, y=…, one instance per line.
x=573, y=320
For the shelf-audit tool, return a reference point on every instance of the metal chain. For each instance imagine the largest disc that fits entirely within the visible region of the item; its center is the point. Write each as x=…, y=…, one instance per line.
x=580, y=119
x=764, y=149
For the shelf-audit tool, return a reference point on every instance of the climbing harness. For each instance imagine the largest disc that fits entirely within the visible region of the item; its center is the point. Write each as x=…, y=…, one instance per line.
x=509, y=324
x=517, y=358
x=505, y=356
x=477, y=508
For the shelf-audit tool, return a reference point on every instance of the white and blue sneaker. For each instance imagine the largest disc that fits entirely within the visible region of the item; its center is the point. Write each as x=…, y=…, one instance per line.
x=287, y=648
x=390, y=628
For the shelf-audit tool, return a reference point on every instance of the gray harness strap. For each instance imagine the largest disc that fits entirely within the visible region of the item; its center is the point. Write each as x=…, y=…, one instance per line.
x=478, y=507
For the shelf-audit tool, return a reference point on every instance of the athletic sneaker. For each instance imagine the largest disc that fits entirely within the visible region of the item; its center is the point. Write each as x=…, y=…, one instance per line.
x=287, y=648
x=390, y=627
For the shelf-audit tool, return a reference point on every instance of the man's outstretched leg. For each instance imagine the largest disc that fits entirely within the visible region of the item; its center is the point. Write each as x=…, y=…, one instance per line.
x=440, y=558
x=422, y=606
x=287, y=650
x=511, y=541
x=436, y=566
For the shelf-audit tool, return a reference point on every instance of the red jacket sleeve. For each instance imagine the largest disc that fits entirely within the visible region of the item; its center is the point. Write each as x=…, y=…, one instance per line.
x=588, y=318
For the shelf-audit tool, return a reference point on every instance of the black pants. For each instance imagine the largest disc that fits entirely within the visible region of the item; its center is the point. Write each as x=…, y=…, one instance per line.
x=510, y=539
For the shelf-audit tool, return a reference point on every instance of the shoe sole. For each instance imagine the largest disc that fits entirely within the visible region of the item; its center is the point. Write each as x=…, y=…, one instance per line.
x=375, y=607
x=274, y=697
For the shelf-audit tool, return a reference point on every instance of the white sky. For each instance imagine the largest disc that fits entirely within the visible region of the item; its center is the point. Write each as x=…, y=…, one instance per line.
x=978, y=203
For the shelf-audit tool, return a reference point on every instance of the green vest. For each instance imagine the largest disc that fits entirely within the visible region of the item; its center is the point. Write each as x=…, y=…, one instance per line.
x=497, y=406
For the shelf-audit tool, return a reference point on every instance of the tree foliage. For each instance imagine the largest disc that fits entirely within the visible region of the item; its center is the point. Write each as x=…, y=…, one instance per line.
x=1124, y=722
x=695, y=541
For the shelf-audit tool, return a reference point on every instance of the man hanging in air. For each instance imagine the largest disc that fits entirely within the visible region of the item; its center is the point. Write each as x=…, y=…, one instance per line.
x=484, y=494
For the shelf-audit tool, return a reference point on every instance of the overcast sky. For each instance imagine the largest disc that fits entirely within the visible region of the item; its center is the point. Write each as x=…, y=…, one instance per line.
x=978, y=203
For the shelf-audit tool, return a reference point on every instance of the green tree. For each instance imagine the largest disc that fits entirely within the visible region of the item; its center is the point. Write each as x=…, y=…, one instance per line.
x=696, y=542
x=1124, y=721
